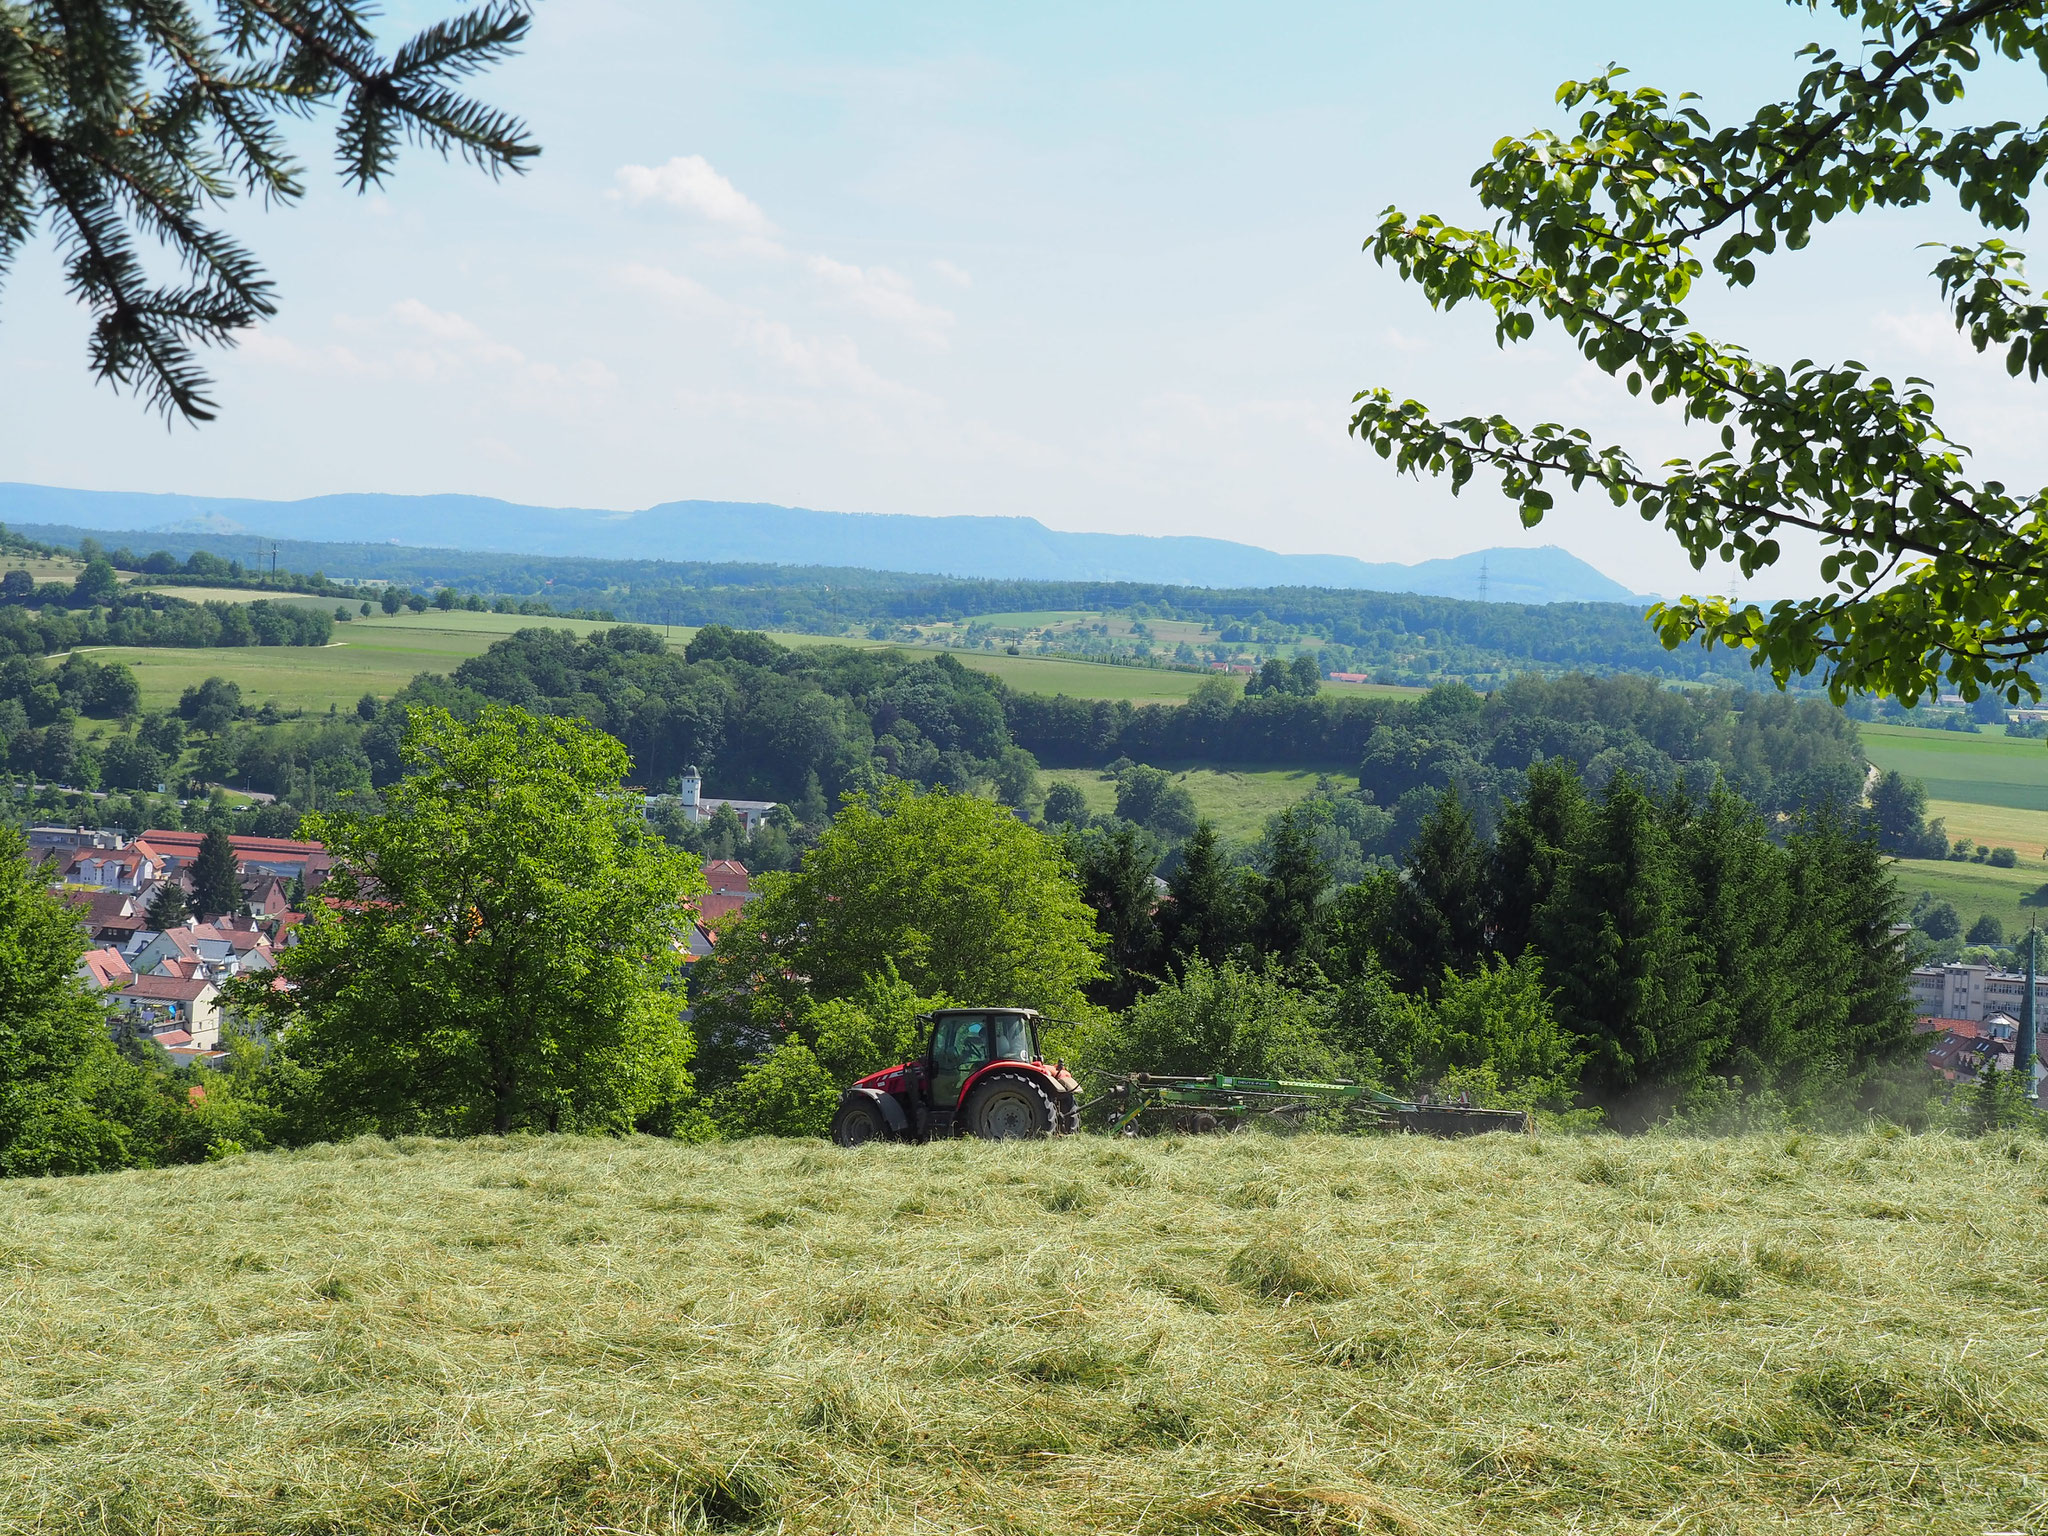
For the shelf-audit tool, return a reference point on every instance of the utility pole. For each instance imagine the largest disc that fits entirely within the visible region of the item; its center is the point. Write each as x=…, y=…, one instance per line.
x=1482, y=578
x=2027, y=1046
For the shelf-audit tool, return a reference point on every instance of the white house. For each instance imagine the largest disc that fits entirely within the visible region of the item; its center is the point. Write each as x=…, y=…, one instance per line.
x=695, y=808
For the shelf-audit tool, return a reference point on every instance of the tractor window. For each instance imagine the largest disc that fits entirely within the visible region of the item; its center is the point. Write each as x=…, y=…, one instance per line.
x=1012, y=1037
x=959, y=1047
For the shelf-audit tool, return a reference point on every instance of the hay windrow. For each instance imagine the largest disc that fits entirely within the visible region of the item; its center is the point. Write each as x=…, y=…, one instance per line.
x=1313, y=1334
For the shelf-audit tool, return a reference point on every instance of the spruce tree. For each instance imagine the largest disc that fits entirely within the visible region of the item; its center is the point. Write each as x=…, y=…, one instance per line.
x=1293, y=886
x=1537, y=835
x=216, y=877
x=119, y=121
x=1438, y=918
x=1116, y=880
x=167, y=907
x=1743, y=932
x=1614, y=944
x=1854, y=1012
x=1204, y=916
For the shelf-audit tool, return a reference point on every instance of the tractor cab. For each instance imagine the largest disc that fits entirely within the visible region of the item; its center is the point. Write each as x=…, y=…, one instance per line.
x=982, y=1074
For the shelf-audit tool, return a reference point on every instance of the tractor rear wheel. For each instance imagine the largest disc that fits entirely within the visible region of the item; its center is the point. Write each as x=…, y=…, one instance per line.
x=1007, y=1106
x=858, y=1122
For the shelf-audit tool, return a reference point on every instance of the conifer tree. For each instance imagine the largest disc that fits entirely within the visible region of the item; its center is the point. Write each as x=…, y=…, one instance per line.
x=167, y=907
x=1204, y=915
x=1614, y=944
x=1294, y=883
x=216, y=877
x=1437, y=921
x=1537, y=835
x=1855, y=1016
x=119, y=121
x=1743, y=933
x=1116, y=880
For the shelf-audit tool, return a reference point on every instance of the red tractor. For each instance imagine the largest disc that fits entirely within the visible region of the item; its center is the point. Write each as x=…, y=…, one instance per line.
x=981, y=1075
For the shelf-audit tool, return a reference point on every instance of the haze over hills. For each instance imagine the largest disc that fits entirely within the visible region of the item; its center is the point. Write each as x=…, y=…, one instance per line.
x=970, y=546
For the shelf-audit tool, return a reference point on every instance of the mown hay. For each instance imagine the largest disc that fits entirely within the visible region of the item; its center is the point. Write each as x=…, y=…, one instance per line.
x=1308, y=1334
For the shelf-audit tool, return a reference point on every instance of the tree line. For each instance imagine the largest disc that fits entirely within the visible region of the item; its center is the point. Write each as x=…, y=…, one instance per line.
x=1371, y=628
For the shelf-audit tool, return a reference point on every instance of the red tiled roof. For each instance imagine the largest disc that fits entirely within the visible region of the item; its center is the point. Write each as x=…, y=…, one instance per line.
x=166, y=989
x=727, y=876
x=715, y=909
x=107, y=967
x=185, y=845
x=172, y=1037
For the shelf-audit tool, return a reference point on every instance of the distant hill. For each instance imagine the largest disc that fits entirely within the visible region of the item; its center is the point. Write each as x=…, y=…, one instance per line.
x=1003, y=548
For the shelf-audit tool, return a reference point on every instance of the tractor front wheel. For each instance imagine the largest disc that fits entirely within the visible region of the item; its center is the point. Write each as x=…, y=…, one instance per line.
x=858, y=1122
x=1007, y=1106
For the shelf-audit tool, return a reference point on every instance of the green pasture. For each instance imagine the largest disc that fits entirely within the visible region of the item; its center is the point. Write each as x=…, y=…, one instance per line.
x=1977, y=888
x=1237, y=800
x=1992, y=788
x=381, y=654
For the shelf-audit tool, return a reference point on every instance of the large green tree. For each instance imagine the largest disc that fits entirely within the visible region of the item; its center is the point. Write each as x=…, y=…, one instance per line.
x=122, y=123
x=216, y=876
x=958, y=895
x=1603, y=230
x=1615, y=943
x=498, y=948
x=54, y=1050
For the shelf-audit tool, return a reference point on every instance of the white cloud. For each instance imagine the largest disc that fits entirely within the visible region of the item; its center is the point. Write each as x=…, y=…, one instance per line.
x=884, y=295
x=414, y=342
x=816, y=362
x=689, y=182
x=959, y=277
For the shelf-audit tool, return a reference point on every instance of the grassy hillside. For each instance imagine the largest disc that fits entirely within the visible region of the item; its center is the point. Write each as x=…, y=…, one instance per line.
x=1238, y=800
x=380, y=655
x=1225, y=1335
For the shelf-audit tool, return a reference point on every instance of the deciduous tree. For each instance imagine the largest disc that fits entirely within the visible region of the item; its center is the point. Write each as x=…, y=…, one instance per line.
x=498, y=949
x=1932, y=571
x=53, y=1034
x=961, y=897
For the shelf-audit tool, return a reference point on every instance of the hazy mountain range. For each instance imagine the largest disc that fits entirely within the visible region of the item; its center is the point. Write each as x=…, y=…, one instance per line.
x=999, y=547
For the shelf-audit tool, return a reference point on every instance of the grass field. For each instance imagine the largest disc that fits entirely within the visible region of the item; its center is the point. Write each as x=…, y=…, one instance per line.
x=1976, y=888
x=1237, y=800
x=1239, y=1335
x=380, y=655
x=1984, y=770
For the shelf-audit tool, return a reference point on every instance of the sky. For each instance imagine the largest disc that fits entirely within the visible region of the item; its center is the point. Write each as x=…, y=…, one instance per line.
x=1095, y=264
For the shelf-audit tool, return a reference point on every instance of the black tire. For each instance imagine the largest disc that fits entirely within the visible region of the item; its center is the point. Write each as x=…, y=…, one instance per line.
x=1011, y=1106
x=857, y=1123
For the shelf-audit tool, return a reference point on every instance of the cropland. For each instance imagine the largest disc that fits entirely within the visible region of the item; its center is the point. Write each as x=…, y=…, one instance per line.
x=1233, y=1334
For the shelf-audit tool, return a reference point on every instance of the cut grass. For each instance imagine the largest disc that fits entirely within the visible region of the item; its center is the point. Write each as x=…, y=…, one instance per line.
x=1237, y=800
x=1991, y=788
x=1500, y=1335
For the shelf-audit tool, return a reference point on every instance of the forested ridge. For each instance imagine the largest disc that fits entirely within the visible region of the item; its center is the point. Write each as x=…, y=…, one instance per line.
x=1373, y=629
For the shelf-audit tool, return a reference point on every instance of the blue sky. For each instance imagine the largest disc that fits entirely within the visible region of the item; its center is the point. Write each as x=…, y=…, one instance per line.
x=1095, y=264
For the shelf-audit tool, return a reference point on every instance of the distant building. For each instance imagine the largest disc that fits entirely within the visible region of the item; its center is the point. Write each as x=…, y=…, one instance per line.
x=161, y=1006
x=1964, y=1048
x=695, y=808
x=279, y=857
x=61, y=841
x=1973, y=992
x=731, y=888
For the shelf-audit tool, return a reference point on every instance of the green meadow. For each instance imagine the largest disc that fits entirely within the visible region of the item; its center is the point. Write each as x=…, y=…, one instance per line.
x=381, y=654
x=1237, y=800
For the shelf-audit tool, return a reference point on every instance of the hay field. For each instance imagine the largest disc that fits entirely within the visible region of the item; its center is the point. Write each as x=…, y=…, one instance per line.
x=1239, y=1334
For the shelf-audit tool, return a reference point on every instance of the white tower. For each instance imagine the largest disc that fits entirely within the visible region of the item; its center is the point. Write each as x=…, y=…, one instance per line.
x=692, y=786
